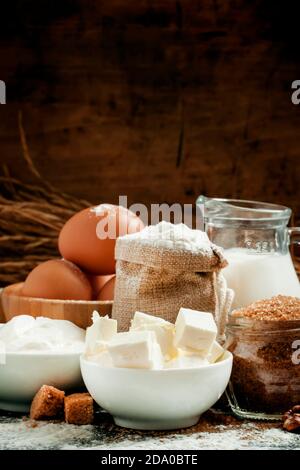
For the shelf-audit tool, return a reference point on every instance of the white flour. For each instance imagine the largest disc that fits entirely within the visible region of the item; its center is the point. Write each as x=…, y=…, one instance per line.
x=18, y=434
x=168, y=235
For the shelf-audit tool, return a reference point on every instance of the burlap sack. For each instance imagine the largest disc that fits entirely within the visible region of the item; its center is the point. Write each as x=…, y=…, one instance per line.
x=164, y=268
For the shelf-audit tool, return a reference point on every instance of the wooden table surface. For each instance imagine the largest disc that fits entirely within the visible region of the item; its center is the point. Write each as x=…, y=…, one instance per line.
x=214, y=431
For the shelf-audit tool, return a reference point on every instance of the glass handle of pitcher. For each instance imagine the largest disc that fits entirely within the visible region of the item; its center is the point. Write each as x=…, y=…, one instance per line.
x=294, y=234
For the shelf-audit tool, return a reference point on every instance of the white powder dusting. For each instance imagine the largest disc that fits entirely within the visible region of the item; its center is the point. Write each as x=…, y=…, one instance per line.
x=176, y=236
x=19, y=434
x=247, y=436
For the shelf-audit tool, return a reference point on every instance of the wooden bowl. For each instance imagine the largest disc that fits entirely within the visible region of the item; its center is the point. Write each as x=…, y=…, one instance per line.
x=77, y=311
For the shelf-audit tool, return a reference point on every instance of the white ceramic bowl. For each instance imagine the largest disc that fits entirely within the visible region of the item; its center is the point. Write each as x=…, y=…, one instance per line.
x=156, y=399
x=23, y=374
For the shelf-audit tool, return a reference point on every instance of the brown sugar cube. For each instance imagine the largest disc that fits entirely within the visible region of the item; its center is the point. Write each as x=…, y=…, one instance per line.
x=47, y=403
x=79, y=408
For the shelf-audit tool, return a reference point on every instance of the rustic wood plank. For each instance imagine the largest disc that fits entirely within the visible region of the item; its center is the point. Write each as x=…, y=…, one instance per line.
x=157, y=102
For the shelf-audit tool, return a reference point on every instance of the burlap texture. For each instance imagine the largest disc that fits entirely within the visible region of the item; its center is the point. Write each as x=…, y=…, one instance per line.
x=160, y=279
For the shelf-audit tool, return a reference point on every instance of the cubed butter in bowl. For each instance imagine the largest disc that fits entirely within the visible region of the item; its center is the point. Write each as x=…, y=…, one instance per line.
x=153, y=399
x=149, y=380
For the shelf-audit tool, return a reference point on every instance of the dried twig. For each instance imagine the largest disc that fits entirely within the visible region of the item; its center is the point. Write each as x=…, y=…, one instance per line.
x=31, y=216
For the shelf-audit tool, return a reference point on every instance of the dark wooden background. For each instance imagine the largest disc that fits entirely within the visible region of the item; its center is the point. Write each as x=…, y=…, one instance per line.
x=158, y=100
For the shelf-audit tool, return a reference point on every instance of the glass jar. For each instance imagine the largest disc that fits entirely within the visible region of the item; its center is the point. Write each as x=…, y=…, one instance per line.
x=265, y=380
x=256, y=241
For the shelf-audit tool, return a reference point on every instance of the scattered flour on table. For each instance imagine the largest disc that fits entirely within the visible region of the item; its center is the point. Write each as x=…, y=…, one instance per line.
x=247, y=436
x=19, y=434
x=229, y=439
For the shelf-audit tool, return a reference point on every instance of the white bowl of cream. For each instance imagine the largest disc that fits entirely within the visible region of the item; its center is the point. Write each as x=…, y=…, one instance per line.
x=34, y=352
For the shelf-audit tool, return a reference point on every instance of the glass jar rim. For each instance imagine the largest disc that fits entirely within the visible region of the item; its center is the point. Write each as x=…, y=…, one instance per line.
x=243, y=210
x=267, y=327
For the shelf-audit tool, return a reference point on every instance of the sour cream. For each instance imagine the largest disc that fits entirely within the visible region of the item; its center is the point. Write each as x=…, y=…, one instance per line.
x=27, y=334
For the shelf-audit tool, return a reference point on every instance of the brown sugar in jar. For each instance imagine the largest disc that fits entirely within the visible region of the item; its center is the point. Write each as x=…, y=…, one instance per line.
x=265, y=341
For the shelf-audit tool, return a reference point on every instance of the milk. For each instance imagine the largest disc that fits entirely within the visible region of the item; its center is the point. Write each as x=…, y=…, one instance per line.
x=256, y=276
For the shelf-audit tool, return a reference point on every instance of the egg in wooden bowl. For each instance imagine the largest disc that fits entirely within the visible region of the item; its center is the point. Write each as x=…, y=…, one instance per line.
x=83, y=280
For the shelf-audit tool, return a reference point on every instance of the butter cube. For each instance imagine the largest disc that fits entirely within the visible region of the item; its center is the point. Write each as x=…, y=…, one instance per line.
x=103, y=358
x=215, y=352
x=186, y=360
x=195, y=330
x=164, y=331
x=102, y=330
x=135, y=349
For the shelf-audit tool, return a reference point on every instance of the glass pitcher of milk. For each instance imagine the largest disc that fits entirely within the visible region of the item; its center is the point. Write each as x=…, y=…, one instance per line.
x=256, y=241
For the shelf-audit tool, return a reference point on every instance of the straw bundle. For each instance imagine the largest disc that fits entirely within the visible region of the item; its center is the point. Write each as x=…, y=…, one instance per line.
x=31, y=216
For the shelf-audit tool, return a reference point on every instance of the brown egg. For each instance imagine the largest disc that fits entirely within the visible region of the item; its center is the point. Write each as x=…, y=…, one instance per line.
x=88, y=239
x=97, y=282
x=107, y=292
x=57, y=279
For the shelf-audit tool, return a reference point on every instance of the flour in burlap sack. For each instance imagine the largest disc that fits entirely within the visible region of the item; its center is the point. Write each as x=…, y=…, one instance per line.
x=165, y=267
